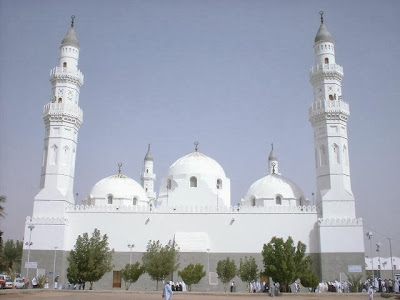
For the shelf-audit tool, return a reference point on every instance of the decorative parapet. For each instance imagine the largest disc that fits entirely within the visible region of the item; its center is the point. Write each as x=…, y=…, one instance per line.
x=193, y=209
x=60, y=110
x=339, y=222
x=330, y=109
x=61, y=73
x=46, y=221
x=326, y=70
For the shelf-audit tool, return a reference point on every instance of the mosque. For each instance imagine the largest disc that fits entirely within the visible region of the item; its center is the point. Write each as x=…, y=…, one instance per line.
x=192, y=205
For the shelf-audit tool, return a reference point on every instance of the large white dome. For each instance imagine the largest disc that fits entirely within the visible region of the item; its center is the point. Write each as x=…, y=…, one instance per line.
x=272, y=186
x=120, y=187
x=196, y=163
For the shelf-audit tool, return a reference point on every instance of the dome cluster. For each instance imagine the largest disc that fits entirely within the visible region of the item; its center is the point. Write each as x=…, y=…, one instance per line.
x=196, y=180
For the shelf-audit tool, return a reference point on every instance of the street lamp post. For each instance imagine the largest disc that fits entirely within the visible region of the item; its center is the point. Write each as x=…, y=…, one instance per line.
x=130, y=246
x=391, y=257
x=369, y=235
x=54, y=265
x=31, y=227
x=208, y=268
x=378, y=245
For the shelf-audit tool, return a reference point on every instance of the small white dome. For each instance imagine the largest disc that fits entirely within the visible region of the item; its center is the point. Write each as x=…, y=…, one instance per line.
x=273, y=185
x=196, y=163
x=120, y=187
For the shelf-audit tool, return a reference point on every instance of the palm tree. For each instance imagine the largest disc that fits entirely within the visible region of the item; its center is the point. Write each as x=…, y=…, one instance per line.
x=2, y=200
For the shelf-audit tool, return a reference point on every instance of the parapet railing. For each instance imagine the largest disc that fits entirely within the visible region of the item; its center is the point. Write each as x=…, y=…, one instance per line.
x=193, y=209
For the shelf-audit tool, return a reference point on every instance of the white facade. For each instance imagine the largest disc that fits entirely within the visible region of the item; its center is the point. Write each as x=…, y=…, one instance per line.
x=193, y=205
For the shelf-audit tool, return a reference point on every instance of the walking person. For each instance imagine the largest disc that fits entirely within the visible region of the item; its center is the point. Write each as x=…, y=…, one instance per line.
x=167, y=293
x=371, y=292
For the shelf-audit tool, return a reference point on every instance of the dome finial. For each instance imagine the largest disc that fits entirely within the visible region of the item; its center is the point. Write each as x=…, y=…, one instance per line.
x=72, y=21
x=119, y=168
x=272, y=146
x=196, y=144
x=322, y=16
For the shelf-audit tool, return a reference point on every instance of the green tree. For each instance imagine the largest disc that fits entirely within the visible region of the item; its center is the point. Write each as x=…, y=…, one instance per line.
x=355, y=281
x=192, y=274
x=160, y=261
x=2, y=201
x=285, y=263
x=90, y=259
x=131, y=273
x=226, y=270
x=11, y=257
x=248, y=270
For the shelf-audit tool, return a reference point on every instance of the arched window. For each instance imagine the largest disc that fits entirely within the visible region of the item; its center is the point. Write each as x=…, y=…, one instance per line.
x=147, y=170
x=326, y=61
x=64, y=64
x=336, y=152
x=134, y=201
x=330, y=97
x=193, y=181
x=169, y=184
x=278, y=200
x=219, y=184
x=54, y=155
x=345, y=157
x=253, y=201
x=66, y=155
x=59, y=100
x=110, y=199
x=146, y=189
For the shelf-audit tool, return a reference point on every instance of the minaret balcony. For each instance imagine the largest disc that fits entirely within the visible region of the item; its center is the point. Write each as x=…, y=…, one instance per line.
x=70, y=111
x=326, y=70
x=148, y=176
x=61, y=73
x=330, y=107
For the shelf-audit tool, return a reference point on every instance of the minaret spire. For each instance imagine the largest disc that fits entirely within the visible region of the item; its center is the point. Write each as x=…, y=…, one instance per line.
x=62, y=118
x=328, y=116
x=272, y=162
x=322, y=16
x=148, y=177
x=196, y=144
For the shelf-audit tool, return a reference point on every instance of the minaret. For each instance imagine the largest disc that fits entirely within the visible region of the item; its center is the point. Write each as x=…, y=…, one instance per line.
x=148, y=177
x=328, y=116
x=272, y=162
x=62, y=118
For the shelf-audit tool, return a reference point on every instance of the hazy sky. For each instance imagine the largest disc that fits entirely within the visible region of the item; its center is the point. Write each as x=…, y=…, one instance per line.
x=232, y=75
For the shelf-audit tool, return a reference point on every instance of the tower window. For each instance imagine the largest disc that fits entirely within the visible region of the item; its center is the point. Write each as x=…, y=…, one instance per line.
x=134, y=201
x=147, y=170
x=193, y=181
x=278, y=200
x=64, y=64
x=326, y=61
x=219, y=184
x=59, y=100
x=169, y=184
x=336, y=152
x=330, y=97
x=253, y=201
x=322, y=154
x=110, y=199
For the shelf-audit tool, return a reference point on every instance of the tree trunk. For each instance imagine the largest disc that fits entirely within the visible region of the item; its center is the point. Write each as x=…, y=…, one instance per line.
x=91, y=285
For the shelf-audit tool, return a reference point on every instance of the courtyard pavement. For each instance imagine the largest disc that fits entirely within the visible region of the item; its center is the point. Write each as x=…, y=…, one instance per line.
x=125, y=295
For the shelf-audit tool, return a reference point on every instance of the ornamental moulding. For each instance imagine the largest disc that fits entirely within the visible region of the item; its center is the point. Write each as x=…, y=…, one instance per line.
x=339, y=222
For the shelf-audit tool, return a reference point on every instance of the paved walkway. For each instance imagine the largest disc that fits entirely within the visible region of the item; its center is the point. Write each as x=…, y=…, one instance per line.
x=125, y=295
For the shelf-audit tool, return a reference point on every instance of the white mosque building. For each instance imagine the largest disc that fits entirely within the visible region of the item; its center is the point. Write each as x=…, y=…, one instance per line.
x=193, y=203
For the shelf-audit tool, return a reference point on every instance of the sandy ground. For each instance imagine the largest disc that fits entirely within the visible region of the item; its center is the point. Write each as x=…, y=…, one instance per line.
x=124, y=295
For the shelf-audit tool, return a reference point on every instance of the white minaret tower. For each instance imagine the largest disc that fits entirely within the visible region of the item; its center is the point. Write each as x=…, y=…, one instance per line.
x=62, y=118
x=328, y=116
x=148, y=177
